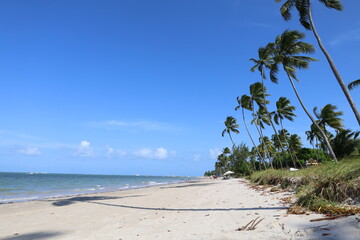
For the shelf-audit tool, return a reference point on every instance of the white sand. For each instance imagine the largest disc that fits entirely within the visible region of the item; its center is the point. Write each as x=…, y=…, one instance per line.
x=207, y=209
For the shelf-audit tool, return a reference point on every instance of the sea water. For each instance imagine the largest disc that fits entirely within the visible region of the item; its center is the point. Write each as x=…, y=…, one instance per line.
x=16, y=187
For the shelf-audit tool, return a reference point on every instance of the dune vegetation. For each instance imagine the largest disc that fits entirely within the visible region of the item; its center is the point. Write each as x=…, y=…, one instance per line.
x=328, y=188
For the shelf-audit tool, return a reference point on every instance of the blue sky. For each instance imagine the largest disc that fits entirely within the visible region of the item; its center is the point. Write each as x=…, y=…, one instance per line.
x=144, y=87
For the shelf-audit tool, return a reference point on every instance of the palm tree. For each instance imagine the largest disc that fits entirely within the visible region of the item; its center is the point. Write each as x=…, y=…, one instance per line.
x=346, y=142
x=354, y=84
x=267, y=145
x=295, y=143
x=284, y=110
x=311, y=136
x=230, y=126
x=328, y=116
x=257, y=96
x=265, y=61
x=306, y=19
x=285, y=50
x=261, y=118
x=245, y=103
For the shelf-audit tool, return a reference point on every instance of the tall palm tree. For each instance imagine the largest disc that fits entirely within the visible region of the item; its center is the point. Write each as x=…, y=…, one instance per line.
x=285, y=50
x=260, y=119
x=354, y=84
x=346, y=142
x=328, y=116
x=245, y=103
x=230, y=126
x=295, y=143
x=257, y=96
x=266, y=145
x=284, y=110
x=265, y=61
x=306, y=19
x=312, y=137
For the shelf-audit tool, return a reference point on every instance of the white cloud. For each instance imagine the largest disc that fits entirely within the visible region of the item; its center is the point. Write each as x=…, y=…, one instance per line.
x=196, y=157
x=214, y=153
x=159, y=153
x=111, y=152
x=85, y=150
x=30, y=151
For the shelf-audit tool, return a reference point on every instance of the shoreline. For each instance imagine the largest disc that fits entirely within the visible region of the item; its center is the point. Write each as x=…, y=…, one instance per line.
x=11, y=201
x=195, y=210
x=15, y=188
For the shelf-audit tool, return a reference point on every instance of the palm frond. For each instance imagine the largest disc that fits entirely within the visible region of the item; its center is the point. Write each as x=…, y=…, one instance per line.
x=354, y=84
x=335, y=4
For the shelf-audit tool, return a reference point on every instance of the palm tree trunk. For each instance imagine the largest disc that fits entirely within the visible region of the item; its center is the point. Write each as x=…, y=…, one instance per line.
x=333, y=68
x=332, y=154
x=268, y=114
x=287, y=144
x=262, y=138
x=265, y=148
x=232, y=141
x=247, y=130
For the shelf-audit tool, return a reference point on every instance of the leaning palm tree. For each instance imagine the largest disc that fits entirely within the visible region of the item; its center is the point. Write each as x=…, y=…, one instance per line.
x=230, y=126
x=257, y=97
x=354, y=84
x=306, y=19
x=265, y=61
x=328, y=116
x=267, y=145
x=260, y=119
x=295, y=143
x=284, y=110
x=286, y=48
x=245, y=103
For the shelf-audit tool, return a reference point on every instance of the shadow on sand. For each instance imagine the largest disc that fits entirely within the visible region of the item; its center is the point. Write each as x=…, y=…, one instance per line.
x=192, y=209
x=189, y=185
x=33, y=236
x=68, y=201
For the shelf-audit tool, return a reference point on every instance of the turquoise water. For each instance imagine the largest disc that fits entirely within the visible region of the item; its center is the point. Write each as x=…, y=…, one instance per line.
x=16, y=187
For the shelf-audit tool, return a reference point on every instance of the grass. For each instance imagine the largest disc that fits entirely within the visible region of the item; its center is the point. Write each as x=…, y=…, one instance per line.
x=323, y=188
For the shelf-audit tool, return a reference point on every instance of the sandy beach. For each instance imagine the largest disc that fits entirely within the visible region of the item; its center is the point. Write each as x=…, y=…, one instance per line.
x=204, y=209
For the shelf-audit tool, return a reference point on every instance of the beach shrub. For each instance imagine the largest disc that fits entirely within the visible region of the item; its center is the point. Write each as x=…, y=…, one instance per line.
x=323, y=188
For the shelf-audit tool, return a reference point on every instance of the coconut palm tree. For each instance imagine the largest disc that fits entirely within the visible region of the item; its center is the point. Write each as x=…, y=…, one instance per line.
x=230, y=126
x=295, y=143
x=265, y=61
x=266, y=145
x=257, y=96
x=245, y=103
x=354, y=84
x=312, y=136
x=306, y=19
x=260, y=118
x=328, y=116
x=284, y=110
x=286, y=48
x=346, y=142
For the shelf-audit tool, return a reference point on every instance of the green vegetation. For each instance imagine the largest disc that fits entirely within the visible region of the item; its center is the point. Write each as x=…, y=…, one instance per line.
x=334, y=147
x=323, y=188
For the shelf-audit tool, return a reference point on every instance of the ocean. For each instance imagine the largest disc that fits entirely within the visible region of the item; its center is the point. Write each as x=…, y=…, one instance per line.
x=17, y=187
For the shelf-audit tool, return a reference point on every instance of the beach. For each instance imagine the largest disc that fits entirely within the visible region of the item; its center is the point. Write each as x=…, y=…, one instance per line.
x=202, y=209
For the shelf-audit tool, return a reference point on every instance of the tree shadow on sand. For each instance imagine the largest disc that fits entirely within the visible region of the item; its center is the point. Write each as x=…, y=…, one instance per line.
x=33, y=236
x=69, y=201
x=192, y=209
x=189, y=185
